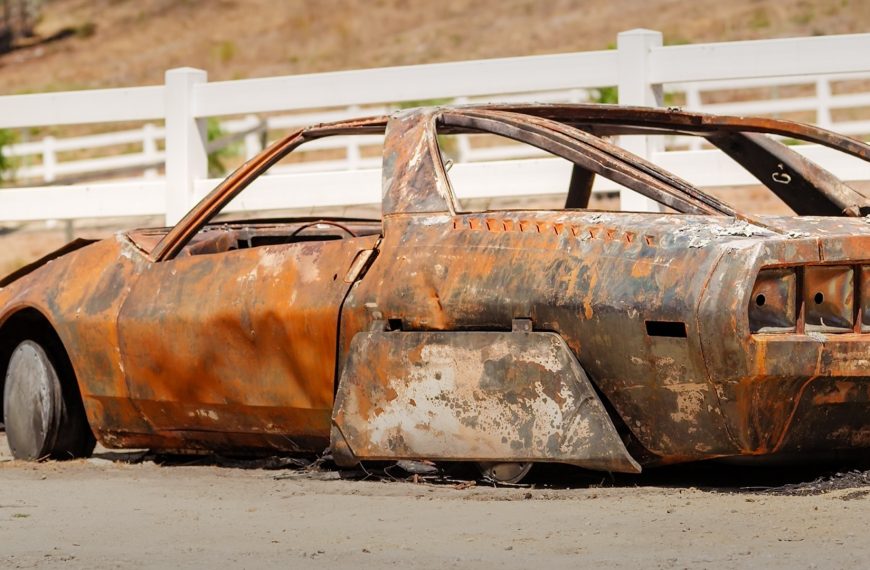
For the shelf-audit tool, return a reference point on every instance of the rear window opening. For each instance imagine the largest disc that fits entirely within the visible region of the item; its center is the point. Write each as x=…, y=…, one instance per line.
x=529, y=175
x=493, y=163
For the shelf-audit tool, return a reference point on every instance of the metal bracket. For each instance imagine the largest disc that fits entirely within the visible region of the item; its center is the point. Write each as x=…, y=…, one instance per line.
x=521, y=325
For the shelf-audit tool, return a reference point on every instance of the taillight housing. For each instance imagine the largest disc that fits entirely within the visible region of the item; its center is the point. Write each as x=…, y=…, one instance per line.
x=829, y=298
x=811, y=299
x=773, y=307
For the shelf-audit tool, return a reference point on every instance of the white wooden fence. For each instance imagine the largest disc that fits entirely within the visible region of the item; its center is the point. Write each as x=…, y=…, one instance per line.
x=43, y=160
x=641, y=67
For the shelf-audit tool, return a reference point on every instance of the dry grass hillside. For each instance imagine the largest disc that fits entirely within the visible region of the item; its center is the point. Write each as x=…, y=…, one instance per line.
x=132, y=42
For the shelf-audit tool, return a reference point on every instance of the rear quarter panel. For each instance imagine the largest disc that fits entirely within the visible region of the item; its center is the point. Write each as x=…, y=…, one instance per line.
x=593, y=278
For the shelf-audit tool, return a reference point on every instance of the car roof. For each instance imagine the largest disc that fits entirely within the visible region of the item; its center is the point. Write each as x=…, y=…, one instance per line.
x=811, y=190
x=611, y=120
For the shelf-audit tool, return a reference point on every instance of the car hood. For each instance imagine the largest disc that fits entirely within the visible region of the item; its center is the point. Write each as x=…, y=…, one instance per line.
x=30, y=267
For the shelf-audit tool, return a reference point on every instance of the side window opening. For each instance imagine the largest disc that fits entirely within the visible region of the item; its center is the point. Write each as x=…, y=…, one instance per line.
x=800, y=184
x=346, y=169
x=341, y=169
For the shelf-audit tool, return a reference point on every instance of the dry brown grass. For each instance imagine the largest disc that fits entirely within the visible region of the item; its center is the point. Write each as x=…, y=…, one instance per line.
x=135, y=41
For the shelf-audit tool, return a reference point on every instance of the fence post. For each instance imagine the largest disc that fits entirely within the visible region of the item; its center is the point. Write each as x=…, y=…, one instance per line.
x=823, y=96
x=353, y=151
x=253, y=141
x=634, y=48
x=693, y=103
x=149, y=148
x=186, y=140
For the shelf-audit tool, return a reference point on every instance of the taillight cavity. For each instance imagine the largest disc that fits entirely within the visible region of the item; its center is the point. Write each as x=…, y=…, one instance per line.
x=829, y=298
x=772, y=307
x=811, y=299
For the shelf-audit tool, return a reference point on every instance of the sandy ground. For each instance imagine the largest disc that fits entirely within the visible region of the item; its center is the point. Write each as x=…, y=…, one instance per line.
x=108, y=512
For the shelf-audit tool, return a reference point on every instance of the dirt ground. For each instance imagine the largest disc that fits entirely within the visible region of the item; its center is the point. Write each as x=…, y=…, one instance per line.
x=111, y=511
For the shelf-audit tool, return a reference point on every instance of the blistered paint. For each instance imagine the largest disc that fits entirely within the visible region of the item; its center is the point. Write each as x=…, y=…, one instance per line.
x=482, y=396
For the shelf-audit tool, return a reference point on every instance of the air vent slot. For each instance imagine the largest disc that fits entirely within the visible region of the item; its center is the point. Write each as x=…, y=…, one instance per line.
x=671, y=329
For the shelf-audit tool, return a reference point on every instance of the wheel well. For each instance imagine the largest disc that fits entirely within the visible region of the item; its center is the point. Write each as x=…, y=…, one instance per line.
x=30, y=324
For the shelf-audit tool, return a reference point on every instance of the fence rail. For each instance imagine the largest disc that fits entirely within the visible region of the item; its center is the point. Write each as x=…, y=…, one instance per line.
x=169, y=151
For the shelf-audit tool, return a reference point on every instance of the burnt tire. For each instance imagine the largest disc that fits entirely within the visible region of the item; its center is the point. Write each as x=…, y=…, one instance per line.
x=42, y=409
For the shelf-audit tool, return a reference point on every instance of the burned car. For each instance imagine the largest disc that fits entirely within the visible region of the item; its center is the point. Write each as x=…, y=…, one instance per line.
x=607, y=340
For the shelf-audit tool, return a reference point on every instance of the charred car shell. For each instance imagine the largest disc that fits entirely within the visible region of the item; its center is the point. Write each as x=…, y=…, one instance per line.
x=609, y=340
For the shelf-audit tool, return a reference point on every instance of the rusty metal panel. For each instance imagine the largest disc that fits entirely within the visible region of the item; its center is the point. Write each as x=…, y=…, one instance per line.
x=246, y=344
x=763, y=381
x=594, y=278
x=832, y=414
x=828, y=298
x=483, y=396
x=413, y=175
x=80, y=294
x=773, y=303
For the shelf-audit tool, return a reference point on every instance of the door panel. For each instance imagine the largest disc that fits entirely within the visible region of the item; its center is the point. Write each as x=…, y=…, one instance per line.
x=240, y=342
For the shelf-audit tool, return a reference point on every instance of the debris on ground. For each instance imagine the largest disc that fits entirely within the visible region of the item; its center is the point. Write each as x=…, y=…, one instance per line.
x=827, y=483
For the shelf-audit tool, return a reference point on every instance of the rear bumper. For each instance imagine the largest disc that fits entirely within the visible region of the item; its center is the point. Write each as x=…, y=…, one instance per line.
x=831, y=414
x=802, y=394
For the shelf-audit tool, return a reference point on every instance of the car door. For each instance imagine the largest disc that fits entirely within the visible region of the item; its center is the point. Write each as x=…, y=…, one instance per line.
x=241, y=342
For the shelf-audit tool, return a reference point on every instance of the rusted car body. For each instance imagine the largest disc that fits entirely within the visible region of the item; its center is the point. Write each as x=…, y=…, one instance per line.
x=608, y=340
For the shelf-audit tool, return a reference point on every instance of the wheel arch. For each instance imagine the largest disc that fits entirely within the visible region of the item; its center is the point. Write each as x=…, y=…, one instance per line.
x=28, y=322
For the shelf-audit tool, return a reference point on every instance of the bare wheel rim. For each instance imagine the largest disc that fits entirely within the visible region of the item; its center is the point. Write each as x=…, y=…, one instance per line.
x=32, y=402
x=506, y=472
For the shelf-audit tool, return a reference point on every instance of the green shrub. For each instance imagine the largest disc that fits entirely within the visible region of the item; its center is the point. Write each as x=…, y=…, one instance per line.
x=7, y=137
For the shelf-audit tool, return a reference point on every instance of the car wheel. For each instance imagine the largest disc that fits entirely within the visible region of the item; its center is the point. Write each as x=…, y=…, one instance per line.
x=509, y=473
x=42, y=419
